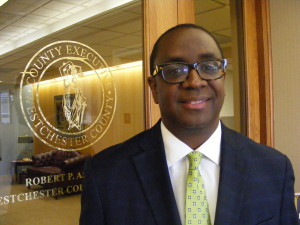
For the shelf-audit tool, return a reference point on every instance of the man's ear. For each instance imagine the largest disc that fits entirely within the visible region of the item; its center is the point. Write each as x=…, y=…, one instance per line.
x=153, y=86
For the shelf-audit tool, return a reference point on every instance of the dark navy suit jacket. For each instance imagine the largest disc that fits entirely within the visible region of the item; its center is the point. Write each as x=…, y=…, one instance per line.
x=129, y=184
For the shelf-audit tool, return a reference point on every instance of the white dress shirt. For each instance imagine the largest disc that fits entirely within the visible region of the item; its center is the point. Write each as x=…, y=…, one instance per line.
x=176, y=154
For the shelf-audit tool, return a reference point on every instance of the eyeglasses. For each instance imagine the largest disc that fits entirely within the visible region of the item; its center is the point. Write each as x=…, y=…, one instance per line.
x=177, y=72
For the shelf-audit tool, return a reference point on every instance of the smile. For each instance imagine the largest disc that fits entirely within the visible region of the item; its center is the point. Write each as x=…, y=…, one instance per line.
x=196, y=102
x=199, y=103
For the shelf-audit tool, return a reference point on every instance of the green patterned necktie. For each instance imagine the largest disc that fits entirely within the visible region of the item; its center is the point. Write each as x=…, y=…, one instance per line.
x=196, y=205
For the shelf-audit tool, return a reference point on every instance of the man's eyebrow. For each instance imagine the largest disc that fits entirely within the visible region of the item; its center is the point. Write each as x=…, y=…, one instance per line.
x=207, y=56
x=174, y=59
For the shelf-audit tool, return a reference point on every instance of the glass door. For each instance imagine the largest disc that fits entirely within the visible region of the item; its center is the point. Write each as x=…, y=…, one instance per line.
x=222, y=19
x=71, y=84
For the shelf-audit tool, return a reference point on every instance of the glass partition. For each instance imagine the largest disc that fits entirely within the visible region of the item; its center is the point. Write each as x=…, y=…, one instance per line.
x=71, y=84
x=223, y=19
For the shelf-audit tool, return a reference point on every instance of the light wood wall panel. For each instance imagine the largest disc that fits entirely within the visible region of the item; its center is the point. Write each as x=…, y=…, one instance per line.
x=285, y=32
x=160, y=15
x=251, y=66
x=258, y=79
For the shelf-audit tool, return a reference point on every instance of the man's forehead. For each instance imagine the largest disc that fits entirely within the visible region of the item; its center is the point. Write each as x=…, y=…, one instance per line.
x=182, y=40
x=184, y=32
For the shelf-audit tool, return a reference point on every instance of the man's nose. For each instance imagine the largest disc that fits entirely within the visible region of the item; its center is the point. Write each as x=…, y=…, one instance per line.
x=194, y=80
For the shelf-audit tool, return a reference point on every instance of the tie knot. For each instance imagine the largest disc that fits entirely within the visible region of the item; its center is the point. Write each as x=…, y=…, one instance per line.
x=194, y=160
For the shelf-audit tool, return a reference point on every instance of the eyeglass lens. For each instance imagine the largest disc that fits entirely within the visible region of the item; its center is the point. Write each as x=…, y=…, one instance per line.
x=178, y=72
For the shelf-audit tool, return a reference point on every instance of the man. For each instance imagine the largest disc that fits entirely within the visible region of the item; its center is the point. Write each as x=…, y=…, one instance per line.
x=143, y=180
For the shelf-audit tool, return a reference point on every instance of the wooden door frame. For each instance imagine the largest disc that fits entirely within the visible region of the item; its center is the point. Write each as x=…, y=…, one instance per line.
x=257, y=59
x=155, y=23
x=258, y=71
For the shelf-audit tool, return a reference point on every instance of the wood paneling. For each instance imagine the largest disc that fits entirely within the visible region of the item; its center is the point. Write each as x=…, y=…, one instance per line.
x=285, y=24
x=258, y=71
x=265, y=72
x=251, y=67
x=186, y=11
x=158, y=17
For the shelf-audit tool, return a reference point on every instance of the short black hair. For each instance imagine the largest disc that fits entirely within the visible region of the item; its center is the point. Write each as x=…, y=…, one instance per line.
x=184, y=25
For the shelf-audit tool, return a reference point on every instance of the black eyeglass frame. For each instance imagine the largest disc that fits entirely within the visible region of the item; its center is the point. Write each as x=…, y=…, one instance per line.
x=159, y=68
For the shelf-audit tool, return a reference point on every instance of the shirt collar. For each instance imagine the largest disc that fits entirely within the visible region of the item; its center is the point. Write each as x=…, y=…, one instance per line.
x=176, y=150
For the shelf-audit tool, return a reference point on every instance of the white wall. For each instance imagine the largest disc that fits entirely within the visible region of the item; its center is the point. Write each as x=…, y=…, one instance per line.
x=9, y=148
x=285, y=34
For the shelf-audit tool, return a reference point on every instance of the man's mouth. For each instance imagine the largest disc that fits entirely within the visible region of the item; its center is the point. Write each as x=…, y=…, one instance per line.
x=197, y=102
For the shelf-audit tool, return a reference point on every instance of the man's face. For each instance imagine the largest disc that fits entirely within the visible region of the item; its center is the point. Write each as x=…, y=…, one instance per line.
x=195, y=103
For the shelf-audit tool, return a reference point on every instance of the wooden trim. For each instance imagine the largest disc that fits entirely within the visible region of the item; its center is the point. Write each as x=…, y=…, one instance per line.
x=252, y=72
x=157, y=21
x=265, y=71
x=186, y=11
x=259, y=97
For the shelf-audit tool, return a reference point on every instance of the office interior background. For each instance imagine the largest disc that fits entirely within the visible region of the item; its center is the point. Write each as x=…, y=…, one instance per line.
x=259, y=39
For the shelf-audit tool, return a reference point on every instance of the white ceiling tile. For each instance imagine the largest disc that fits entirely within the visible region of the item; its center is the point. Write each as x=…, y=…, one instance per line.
x=63, y=15
x=76, y=9
x=91, y=2
x=206, y=5
x=35, y=18
x=14, y=38
x=76, y=2
x=35, y=3
x=14, y=29
x=6, y=19
x=5, y=43
x=24, y=23
x=46, y=12
x=3, y=38
x=214, y=20
x=129, y=27
x=19, y=8
x=31, y=30
x=59, y=6
x=112, y=19
x=225, y=2
x=20, y=35
x=225, y=32
x=10, y=31
x=222, y=39
x=50, y=21
x=125, y=41
x=98, y=36
x=73, y=32
x=135, y=7
x=19, y=29
x=39, y=26
x=104, y=50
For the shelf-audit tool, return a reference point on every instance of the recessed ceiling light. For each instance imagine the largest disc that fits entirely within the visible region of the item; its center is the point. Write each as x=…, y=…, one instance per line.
x=2, y=2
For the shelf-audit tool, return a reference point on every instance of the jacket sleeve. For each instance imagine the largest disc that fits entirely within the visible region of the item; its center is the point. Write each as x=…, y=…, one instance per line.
x=91, y=207
x=288, y=214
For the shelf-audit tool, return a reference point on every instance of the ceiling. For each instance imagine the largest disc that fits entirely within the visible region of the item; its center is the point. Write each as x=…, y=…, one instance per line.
x=112, y=27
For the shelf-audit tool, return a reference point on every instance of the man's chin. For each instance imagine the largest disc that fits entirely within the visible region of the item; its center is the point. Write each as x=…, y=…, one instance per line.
x=200, y=125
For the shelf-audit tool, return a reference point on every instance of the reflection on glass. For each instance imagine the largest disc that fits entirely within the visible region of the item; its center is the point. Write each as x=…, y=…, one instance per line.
x=64, y=101
x=220, y=18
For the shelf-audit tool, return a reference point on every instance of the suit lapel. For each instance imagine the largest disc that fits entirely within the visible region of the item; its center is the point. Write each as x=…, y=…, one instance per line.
x=233, y=174
x=152, y=170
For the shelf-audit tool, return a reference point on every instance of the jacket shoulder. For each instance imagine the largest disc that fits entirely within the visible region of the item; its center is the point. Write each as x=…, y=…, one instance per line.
x=245, y=144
